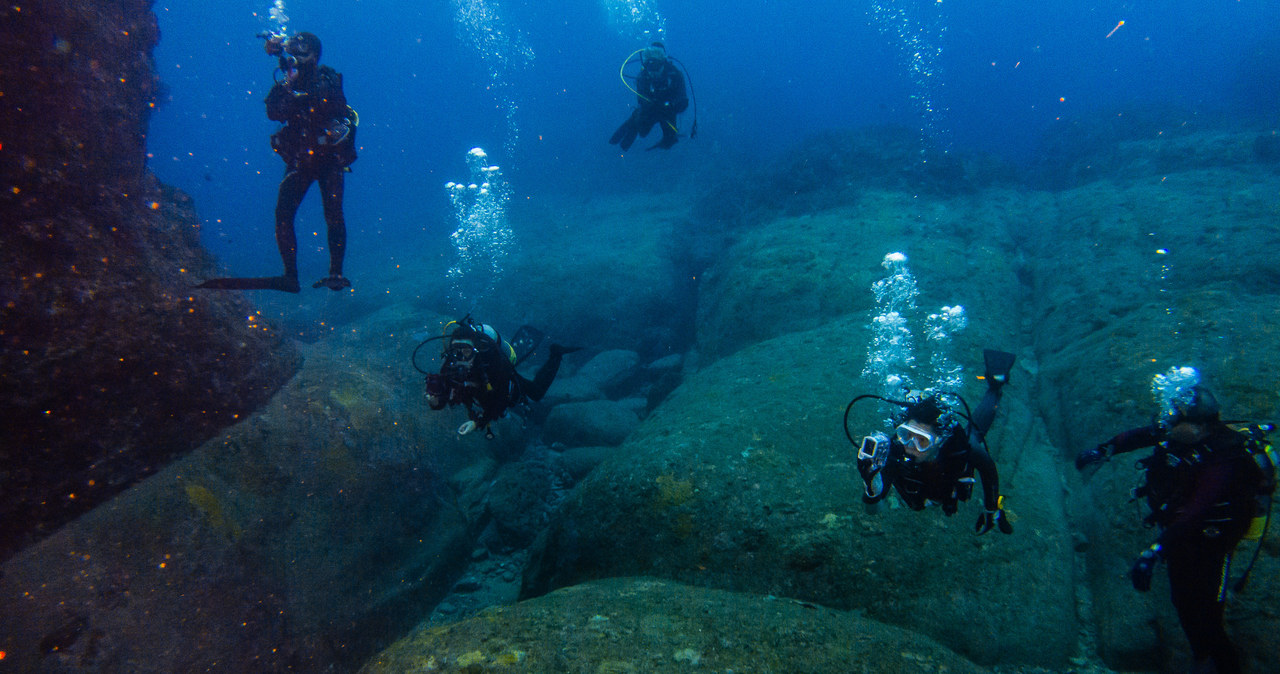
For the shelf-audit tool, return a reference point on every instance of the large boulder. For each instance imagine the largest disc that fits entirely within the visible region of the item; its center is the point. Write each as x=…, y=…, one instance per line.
x=743, y=480
x=800, y=272
x=1108, y=248
x=305, y=537
x=110, y=365
x=600, y=422
x=650, y=625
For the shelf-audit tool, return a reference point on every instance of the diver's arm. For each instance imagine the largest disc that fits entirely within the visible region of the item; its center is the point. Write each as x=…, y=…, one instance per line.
x=278, y=99
x=1088, y=459
x=329, y=90
x=1134, y=438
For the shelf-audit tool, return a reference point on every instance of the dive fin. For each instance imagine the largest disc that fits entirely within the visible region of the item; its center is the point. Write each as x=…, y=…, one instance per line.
x=999, y=364
x=669, y=137
x=526, y=341
x=288, y=284
x=625, y=135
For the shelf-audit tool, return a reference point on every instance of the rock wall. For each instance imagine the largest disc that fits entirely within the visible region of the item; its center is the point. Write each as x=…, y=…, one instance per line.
x=109, y=367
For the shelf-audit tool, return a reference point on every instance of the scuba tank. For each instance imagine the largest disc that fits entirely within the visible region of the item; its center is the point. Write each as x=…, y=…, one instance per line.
x=1267, y=459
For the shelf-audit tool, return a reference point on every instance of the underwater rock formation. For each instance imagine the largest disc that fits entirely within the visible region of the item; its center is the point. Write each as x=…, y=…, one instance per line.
x=743, y=480
x=110, y=366
x=650, y=625
x=306, y=537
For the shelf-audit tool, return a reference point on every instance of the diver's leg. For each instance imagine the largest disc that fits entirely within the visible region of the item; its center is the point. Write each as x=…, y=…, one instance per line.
x=547, y=373
x=626, y=134
x=985, y=415
x=332, y=181
x=292, y=189
x=998, y=365
x=1197, y=574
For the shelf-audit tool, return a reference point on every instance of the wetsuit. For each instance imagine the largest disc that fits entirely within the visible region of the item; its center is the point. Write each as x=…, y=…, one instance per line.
x=491, y=385
x=939, y=480
x=316, y=146
x=661, y=96
x=1202, y=496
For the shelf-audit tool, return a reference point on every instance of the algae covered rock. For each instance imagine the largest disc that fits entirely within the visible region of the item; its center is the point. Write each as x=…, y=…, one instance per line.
x=1113, y=247
x=300, y=538
x=599, y=422
x=649, y=625
x=743, y=480
x=797, y=273
x=110, y=366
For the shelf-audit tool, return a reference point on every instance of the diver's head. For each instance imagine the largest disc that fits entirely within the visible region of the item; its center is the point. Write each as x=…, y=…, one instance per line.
x=1189, y=415
x=654, y=56
x=926, y=427
x=459, y=358
x=302, y=50
x=919, y=439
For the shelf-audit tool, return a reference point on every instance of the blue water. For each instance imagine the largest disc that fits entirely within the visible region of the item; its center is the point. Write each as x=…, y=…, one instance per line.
x=996, y=76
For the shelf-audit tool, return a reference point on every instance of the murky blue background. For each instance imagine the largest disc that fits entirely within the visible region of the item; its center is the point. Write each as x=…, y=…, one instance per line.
x=990, y=75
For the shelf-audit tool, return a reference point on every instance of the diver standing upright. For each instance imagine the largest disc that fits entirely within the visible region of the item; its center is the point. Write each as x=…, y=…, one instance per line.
x=1204, y=484
x=317, y=144
x=660, y=96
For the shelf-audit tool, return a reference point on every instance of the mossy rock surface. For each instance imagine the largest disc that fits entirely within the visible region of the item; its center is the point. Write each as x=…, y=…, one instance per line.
x=648, y=625
x=743, y=480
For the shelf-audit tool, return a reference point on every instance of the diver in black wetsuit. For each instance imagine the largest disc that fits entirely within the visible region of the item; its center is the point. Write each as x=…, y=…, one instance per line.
x=1202, y=485
x=932, y=457
x=660, y=96
x=317, y=144
x=478, y=371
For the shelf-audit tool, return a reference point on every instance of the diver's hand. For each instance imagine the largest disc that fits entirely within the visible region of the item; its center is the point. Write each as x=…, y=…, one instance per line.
x=992, y=519
x=1093, y=455
x=466, y=427
x=1144, y=567
x=334, y=283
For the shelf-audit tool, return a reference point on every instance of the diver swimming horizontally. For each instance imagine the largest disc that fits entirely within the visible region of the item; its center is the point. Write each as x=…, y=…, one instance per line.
x=478, y=371
x=660, y=96
x=317, y=144
x=932, y=456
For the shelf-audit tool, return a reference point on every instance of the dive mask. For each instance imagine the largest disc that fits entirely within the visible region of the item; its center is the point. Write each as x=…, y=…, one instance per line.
x=915, y=437
x=460, y=352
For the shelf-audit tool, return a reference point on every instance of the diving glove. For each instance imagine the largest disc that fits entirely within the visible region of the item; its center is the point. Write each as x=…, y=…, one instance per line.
x=1092, y=456
x=992, y=519
x=1144, y=567
x=872, y=457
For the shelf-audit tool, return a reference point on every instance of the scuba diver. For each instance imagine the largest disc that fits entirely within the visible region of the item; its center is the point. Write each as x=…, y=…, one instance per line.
x=478, y=371
x=932, y=456
x=317, y=144
x=660, y=97
x=1204, y=483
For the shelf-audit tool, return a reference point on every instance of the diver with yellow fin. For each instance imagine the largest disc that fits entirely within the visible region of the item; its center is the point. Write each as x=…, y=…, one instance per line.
x=317, y=144
x=932, y=456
